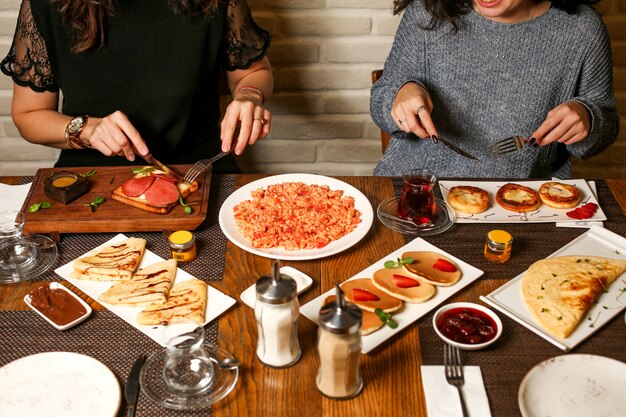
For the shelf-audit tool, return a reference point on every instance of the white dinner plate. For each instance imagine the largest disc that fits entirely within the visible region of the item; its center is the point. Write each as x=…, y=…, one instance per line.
x=58, y=384
x=544, y=214
x=217, y=301
x=361, y=203
x=574, y=386
x=595, y=242
x=409, y=312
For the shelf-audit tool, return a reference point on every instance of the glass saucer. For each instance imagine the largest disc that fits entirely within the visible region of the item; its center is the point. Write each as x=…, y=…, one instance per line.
x=153, y=385
x=45, y=256
x=444, y=219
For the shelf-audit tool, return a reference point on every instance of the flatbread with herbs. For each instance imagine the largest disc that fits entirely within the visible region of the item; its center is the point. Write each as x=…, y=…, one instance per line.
x=559, y=291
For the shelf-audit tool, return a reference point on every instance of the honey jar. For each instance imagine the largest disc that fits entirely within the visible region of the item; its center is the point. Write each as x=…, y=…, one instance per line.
x=498, y=246
x=183, y=245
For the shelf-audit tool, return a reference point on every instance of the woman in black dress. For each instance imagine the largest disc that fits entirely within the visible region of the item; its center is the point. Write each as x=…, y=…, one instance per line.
x=138, y=76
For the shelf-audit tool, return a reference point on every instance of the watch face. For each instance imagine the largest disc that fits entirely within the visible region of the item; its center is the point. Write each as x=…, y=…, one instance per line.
x=75, y=125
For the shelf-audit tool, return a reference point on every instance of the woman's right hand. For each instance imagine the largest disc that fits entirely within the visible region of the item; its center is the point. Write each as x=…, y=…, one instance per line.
x=411, y=111
x=114, y=135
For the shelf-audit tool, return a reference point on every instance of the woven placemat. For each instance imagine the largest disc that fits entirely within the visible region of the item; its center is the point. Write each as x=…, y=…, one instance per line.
x=210, y=241
x=504, y=364
x=531, y=241
x=104, y=336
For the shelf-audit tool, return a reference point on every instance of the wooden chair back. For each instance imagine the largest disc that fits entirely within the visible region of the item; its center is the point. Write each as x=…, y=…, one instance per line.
x=384, y=137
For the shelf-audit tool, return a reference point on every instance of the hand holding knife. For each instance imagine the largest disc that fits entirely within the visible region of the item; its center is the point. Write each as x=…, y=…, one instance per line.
x=454, y=148
x=131, y=390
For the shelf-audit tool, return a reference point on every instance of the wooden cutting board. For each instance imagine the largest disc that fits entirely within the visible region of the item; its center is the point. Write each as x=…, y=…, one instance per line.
x=112, y=215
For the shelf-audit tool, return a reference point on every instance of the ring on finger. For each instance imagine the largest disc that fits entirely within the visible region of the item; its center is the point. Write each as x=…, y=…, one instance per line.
x=421, y=109
x=401, y=121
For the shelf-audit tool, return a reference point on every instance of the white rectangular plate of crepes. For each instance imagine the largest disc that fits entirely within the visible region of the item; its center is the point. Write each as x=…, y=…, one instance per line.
x=595, y=242
x=217, y=301
x=544, y=214
x=409, y=312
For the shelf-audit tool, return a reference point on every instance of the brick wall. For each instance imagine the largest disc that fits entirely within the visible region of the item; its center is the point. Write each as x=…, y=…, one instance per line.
x=323, y=52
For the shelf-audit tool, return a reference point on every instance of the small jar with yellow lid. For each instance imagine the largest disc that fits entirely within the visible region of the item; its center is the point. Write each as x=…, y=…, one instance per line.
x=498, y=246
x=183, y=244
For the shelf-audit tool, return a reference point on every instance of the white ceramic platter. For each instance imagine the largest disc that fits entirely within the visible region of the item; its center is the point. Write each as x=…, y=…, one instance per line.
x=56, y=384
x=362, y=204
x=217, y=301
x=574, y=386
x=595, y=242
x=544, y=214
x=409, y=312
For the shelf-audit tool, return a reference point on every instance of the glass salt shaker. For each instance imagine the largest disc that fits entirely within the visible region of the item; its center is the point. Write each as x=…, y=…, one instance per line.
x=339, y=348
x=276, y=311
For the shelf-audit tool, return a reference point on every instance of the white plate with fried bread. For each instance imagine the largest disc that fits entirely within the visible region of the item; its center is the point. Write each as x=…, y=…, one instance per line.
x=543, y=214
x=409, y=313
x=361, y=203
x=217, y=302
x=596, y=242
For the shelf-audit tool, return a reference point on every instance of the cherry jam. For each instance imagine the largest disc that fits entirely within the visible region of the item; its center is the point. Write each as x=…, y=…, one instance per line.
x=417, y=202
x=467, y=325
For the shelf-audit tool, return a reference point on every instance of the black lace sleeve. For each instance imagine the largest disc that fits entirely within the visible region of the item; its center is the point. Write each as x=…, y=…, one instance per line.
x=27, y=62
x=244, y=41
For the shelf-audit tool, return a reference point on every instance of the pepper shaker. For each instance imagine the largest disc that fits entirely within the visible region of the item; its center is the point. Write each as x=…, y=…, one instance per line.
x=339, y=348
x=276, y=311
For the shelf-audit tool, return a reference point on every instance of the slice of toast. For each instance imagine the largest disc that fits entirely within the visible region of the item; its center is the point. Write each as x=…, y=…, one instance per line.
x=141, y=202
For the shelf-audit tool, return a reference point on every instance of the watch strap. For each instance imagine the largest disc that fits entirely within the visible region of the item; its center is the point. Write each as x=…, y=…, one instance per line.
x=73, y=138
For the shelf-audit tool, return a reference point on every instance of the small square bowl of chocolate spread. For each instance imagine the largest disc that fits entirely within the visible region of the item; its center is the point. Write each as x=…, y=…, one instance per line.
x=65, y=186
x=58, y=305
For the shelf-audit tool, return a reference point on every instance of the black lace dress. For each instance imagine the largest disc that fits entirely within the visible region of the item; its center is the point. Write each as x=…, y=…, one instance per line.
x=158, y=67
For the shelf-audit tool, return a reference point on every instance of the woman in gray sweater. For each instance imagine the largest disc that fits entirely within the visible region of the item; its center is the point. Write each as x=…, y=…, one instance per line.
x=477, y=71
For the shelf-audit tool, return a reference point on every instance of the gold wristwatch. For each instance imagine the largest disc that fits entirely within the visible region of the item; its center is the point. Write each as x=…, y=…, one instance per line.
x=73, y=130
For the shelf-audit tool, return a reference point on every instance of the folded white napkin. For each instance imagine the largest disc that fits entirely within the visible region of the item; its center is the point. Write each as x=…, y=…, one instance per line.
x=583, y=223
x=442, y=399
x=12, y=197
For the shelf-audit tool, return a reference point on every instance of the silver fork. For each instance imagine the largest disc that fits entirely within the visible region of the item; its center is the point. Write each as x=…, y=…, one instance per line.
x=454, y=371
x=511, y=144
x=199, y=167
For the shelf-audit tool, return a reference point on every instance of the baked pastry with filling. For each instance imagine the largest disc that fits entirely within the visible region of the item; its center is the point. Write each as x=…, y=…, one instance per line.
x=518, y=198
x=559, y=195
x=468, y=199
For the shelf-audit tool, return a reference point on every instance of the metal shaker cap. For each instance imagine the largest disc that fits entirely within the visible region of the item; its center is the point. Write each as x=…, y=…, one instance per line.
x=276, y=289
x=340, y=316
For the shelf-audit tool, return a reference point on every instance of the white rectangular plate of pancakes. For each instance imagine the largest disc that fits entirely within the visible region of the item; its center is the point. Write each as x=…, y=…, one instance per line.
x=217, y=301
x=596, y=241
x=544, y=214
x=409, y=313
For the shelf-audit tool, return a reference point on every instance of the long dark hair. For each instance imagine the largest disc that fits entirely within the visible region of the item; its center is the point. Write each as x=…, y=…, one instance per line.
x=86, y=19
x=443, y=11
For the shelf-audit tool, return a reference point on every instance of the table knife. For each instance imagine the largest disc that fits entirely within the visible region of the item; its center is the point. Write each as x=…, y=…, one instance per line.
x=454, y=148
x=131, y=390
x=152, y=161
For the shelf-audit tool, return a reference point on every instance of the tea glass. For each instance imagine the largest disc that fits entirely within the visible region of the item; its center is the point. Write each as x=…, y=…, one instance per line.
x=417, y=202
x=17, y=253
x=188, y=369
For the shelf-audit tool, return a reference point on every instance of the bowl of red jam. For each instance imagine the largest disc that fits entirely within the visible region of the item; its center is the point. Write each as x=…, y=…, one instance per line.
x=467, y=326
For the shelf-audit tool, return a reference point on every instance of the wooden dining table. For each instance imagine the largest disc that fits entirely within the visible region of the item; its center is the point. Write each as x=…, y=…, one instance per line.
x=391, y=373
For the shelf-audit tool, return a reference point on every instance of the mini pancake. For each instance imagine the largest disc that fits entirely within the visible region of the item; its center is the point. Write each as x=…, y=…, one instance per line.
x=422, y=268
x=385, y=302
x=518, y=198
x=468, y=199
x=384, y=280
x=370, y=322
x=559, y=195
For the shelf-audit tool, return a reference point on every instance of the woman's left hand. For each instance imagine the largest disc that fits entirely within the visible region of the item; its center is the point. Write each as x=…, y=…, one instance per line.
x=567, y=123
x=247, y=113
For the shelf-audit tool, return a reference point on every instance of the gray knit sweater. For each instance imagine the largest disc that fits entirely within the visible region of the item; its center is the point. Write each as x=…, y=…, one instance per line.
x=492, y=80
